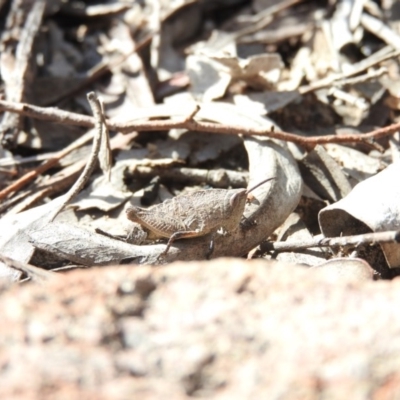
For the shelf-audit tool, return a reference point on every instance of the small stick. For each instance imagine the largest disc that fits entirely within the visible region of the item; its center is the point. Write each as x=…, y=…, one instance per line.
x=29, y=176
x=100, y=130
x=355, y=240
x=374, y=59
x=381, y=30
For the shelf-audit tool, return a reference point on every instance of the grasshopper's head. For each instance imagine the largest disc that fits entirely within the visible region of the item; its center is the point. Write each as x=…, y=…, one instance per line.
x=235, y=202
x=133, y=213
x=237, y=199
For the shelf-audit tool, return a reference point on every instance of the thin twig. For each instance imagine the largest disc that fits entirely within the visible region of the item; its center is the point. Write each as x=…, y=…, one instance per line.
x=70, y=118
x=100, y=130
x=29, y=176
x=370, y=75
x=356, y=240
x=357, y=69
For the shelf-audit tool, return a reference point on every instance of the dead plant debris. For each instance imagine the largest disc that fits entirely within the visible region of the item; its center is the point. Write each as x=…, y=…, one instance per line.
x=120, y=105
x=200, y=90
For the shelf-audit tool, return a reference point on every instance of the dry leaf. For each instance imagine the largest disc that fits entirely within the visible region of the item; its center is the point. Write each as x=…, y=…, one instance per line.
x=372, y=206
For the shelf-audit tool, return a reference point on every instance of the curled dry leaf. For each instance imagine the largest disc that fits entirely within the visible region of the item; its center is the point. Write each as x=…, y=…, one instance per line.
x=373, y=205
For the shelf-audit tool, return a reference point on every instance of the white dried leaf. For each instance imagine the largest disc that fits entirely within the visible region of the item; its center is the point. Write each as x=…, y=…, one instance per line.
x=373, y=204
x=208, y=80
x=260, y=70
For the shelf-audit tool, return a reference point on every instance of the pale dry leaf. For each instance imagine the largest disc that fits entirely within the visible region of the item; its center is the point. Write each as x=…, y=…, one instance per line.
x=104, y=194
x=372, y=206
x=128, y=88
x=219, y=43
x=260, y=70
x=207, y=80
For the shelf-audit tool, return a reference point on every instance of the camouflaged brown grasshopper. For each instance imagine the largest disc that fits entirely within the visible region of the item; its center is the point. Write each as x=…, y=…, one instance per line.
x=194, y=214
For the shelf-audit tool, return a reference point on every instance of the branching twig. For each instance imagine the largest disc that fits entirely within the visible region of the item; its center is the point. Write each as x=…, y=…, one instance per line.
x=65, y=117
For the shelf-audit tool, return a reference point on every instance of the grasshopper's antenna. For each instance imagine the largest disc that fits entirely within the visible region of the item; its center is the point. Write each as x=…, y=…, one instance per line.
x=258, y=184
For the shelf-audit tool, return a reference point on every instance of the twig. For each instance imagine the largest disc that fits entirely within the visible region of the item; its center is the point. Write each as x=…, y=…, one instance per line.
x=191, y=115
x=60, y=182
x=99, y=10
x=356, y=240
x=54, y=186
x=100, y=130
x=369, y=75
x=70, y=118
x=381, y=30
x=383, y=55
x=262, y=19
x=28, y=177
x=349, y=98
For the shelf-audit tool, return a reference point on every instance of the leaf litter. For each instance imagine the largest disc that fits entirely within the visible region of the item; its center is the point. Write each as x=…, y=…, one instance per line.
x=277, y=72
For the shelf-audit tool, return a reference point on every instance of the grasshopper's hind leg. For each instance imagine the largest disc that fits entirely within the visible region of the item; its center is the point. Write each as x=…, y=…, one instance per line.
x=179, y=235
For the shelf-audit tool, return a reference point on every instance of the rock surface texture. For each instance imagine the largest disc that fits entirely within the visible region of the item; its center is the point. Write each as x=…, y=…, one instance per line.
x=226, y=329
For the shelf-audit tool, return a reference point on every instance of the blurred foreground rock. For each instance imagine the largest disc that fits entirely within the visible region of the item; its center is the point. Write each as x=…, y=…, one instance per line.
x=227, y=329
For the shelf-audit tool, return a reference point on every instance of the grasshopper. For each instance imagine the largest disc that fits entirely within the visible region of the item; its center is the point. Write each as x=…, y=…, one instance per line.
x=194, y=214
